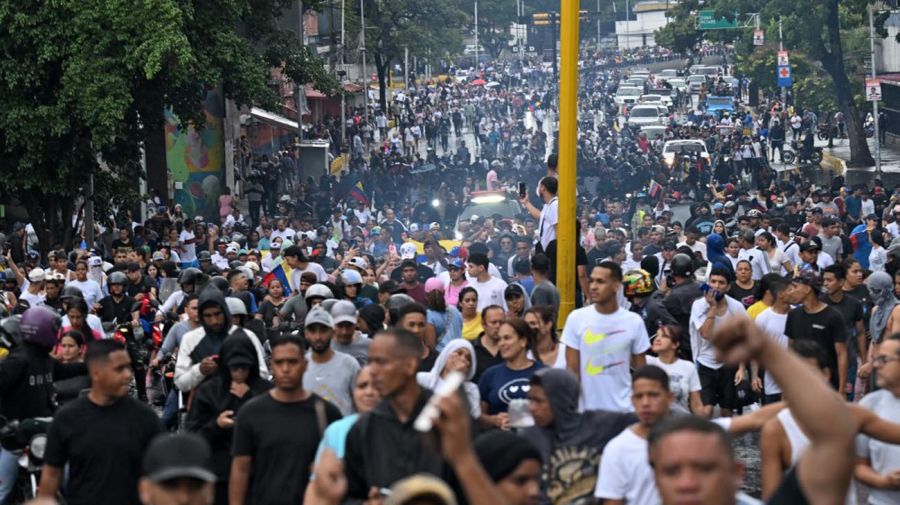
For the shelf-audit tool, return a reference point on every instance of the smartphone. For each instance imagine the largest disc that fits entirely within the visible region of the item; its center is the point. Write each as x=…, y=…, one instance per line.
x=705, y=288
x=523, y=190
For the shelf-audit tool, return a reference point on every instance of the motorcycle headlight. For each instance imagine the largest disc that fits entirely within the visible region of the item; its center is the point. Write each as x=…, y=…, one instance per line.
x=38, y=446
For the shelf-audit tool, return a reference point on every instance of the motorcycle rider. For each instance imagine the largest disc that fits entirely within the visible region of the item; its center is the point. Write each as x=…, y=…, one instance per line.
x=26, y=381
x=188, y=281
x=118, y=307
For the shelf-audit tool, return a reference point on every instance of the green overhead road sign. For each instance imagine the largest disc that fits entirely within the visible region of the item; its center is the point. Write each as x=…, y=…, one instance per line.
x=707, y=20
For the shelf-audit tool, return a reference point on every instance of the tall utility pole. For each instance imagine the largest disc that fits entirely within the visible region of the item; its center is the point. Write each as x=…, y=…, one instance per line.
x=342, y=73
x=476, y=36
x=874, y=102
x=627, y=24
x=554, y=29
x=406, y=68
x=598, y=23
x=568, y=130
x=781, y=48
x=297, y=88
x=362, y=49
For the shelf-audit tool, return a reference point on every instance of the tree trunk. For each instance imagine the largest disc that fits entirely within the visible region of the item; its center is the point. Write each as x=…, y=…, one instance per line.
x=381, y=68
x=860, y=156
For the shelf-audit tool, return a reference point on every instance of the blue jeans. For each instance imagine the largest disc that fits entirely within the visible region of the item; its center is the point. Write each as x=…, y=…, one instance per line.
x=9, y=470
x=170, y=410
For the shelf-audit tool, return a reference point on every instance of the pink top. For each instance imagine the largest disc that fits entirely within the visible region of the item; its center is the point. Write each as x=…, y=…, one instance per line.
x=225, y=202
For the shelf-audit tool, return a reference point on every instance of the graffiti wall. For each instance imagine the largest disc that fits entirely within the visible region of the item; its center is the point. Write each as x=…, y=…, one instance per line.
x=196, y=159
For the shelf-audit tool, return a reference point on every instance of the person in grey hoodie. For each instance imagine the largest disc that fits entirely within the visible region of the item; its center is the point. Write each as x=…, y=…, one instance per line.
x=570, y=442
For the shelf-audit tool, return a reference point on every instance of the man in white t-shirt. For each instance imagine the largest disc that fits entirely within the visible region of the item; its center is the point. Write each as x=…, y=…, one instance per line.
x=299, y=263
x=490, y=289
x=759, y=261
x=548, y=216
x=282, y=230
x=188, y=247
x=716, y=379
x=773, y=321
x=625, y=474
x=603, y=341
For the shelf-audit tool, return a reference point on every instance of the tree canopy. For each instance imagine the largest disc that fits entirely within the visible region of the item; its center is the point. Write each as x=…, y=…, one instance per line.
x=83, y=80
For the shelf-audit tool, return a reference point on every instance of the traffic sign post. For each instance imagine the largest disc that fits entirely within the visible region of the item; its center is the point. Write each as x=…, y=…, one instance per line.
x=758, y=37
x=873, y=89
x=707, y=20
x=783, y=60
x=783, y=76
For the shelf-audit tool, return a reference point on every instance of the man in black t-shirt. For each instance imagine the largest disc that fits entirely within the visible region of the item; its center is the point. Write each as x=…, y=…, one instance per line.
x=818, y=322
x=276, y=434
x=101, y=436
x=851, y=310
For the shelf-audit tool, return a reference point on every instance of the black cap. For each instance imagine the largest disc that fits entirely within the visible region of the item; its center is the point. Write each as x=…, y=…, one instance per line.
x=176, y=456
x=810, y=245
x=133, y=267
x=513, y=291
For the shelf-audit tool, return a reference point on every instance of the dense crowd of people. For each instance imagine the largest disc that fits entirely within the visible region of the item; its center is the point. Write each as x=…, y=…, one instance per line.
x=307, y=352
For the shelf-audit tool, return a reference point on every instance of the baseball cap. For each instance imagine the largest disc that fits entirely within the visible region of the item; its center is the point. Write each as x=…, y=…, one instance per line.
x=34, y=255
x=204, y=256
x=513, y=291
x=95, y=261
x=434, y=226
x=159, y=256
x=419, y=486
x=810, y=245
x=408, y=251
x=809, y=278
x=55, y=277
x=178, y=455
x=232, y=250
x=275, y=245
x=133, y=267
x=343, y=311
x=18, y=226
x=359, y=262
x=37, y=275
x=433, y=284
x=58, y=254
x=413, y=228
x=318, y=315
x=456, y=263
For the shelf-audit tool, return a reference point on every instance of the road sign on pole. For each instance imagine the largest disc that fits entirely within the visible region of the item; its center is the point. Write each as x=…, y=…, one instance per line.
x=707, y=20
x=758, y=37
x=873, y=89
x=783, y=76
x=783, y=60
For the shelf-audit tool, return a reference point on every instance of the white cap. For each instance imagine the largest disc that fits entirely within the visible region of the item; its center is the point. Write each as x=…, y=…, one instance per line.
x=95, y=261
x=37, y=275
x=408, y=251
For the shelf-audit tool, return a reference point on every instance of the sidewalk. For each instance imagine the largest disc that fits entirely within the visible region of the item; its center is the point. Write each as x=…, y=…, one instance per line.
x=840, y=154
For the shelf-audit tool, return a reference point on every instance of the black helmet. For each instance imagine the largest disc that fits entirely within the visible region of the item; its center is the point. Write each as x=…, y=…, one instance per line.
x=117, y=278
x=70, y=292
x=189, y=276
x=220, y=283
x=40, y=325
x=682, y=265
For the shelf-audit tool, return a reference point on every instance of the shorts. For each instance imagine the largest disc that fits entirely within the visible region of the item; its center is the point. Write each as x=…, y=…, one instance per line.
x=718, y=386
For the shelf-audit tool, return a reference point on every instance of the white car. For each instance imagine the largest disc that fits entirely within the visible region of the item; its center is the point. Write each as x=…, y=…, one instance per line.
x=675, y=148
x=627, y=95
x=652, y=99
x=654, y=132
x=641, y=115
x=667, y=73
x=695, y=82
x=678, y=83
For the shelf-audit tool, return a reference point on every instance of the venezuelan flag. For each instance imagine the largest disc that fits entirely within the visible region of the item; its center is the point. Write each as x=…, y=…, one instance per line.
x=654, y=189
x=281, y=272
x=359, y=194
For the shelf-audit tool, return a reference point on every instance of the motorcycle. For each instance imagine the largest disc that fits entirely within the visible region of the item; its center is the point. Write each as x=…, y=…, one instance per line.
x=826, y=131
x=796, y=153
x=27, y=439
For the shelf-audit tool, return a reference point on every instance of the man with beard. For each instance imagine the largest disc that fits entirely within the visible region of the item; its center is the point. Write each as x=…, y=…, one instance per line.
x=199, y=347
x=329, y=374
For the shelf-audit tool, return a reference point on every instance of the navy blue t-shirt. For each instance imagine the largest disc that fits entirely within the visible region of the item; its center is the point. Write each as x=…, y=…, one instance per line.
x=499, y=384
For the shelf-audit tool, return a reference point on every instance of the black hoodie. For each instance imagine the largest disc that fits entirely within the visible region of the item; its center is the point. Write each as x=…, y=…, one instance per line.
x=211, y=343
x=214, y=396
x=572, y=445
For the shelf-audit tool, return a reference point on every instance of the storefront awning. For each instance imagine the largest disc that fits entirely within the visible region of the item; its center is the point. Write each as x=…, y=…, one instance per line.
x=273, y=119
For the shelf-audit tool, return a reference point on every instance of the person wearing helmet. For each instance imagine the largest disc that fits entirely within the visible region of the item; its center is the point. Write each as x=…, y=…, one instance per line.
x=645, y=300
x=118, y=307
x=316, y=294
x=188, y=280
x=26, y=381
x=353, y=281
x=683, y=290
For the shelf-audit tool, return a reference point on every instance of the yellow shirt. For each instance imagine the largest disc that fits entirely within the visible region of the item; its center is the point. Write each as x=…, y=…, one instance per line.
x=472, y=328
x=756, y=309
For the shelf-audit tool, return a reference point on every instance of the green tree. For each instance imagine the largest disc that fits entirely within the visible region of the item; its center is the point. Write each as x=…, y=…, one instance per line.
x=817, y=28
x=425, y=27
x=84, y=81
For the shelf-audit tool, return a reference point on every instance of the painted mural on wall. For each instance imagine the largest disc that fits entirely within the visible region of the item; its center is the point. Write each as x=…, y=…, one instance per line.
x=196, y=160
